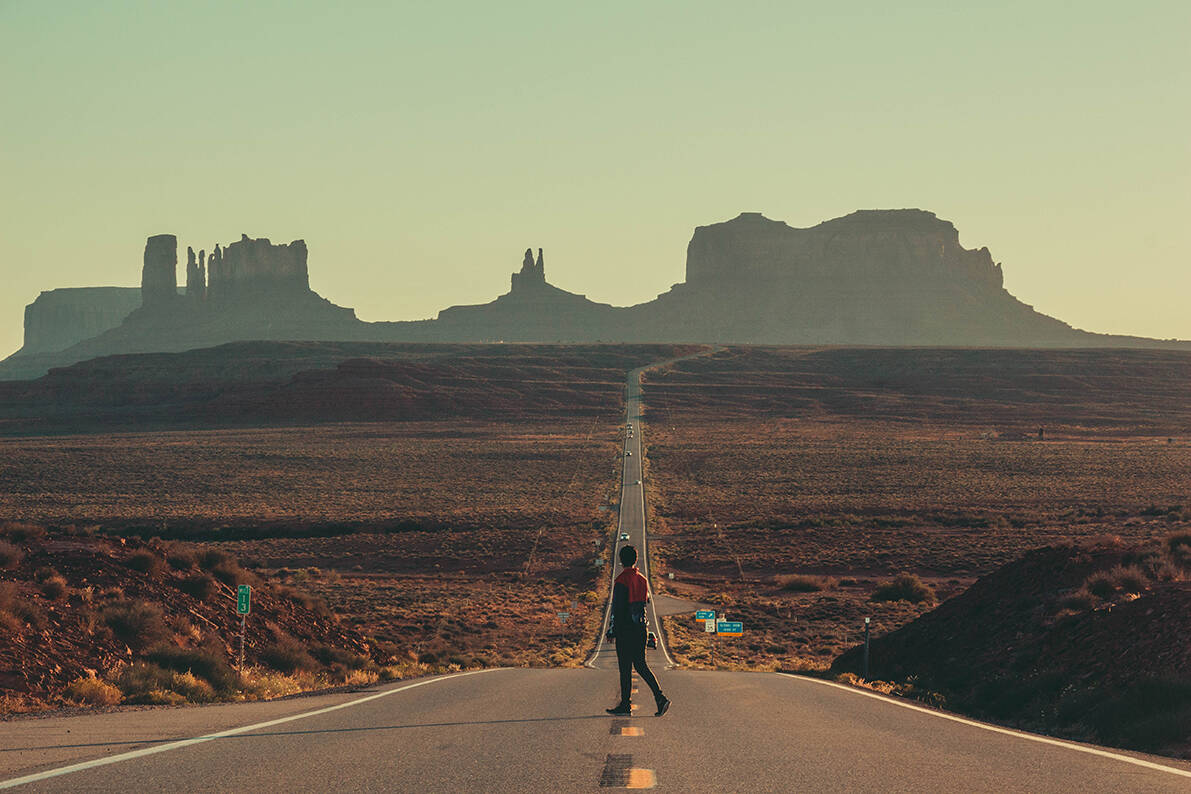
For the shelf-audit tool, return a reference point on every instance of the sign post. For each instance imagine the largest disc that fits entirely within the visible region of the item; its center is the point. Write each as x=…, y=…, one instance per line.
x=866, y=622
x=243, y=607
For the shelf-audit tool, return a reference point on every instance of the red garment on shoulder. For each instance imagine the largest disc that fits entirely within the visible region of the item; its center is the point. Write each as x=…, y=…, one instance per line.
x=638, y=588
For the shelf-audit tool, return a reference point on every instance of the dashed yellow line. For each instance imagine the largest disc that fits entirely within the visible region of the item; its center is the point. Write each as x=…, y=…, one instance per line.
x=641, y=778
x=632, y=730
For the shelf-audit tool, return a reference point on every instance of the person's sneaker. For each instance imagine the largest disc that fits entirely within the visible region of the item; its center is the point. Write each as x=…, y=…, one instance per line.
x=663, y=706
x=623, y=710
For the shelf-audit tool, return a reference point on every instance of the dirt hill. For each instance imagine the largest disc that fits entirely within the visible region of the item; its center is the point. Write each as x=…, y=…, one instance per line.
x=1090, y=642
x=97, y=620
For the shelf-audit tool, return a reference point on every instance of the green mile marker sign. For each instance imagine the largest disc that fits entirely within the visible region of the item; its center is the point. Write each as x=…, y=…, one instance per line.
x=243, y=599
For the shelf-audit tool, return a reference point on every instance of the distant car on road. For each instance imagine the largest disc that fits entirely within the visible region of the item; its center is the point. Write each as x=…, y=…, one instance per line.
x=624, y=536
x=628, y=453
x=636, y=482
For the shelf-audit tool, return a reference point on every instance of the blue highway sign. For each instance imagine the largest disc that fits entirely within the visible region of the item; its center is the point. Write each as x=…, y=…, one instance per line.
x=729, y=628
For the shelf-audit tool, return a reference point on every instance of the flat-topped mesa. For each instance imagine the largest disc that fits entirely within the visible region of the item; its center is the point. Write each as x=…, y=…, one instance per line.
x=256, y=268
x=532, y=273
x=159, y=277
x=906, y=247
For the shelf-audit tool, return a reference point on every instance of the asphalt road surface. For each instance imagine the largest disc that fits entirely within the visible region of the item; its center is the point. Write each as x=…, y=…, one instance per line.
x=517, y=730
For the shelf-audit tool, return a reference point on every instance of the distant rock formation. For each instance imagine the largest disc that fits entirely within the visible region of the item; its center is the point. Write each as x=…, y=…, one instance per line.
x=60, y=318
x=532, y=311
x=533, y=274
x=257, y=267
x=159, y=275
x=875, y=277
x=196, y=275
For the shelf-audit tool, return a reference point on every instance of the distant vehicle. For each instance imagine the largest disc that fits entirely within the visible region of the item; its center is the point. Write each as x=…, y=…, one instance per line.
x=624, y=536
x=628, y=453
x=636, y=482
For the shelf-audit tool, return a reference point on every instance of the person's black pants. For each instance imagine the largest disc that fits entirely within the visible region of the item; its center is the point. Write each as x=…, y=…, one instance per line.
x=630, y=653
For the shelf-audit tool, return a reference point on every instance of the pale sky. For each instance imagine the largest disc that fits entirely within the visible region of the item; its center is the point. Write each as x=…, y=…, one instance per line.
x=419, y=148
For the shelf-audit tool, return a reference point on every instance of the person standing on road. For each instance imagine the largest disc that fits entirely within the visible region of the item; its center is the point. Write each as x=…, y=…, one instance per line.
x=628, y=627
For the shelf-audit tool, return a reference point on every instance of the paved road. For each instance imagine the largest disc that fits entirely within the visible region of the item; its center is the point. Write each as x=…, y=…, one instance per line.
x=545, y=730
x=632, y=524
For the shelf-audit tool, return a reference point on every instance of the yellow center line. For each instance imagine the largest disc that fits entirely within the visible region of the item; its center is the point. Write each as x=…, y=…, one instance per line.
x=641, y=778
x=631, y=731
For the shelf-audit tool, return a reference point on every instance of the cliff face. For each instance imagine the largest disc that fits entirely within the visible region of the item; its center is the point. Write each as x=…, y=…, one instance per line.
x=159, y=274
x=61, y=317
x=255, y=267
x=877, y=247
x=883, y=277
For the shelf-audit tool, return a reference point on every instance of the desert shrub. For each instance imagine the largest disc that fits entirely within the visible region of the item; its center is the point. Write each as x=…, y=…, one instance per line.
x=43, y=573
x=210, y=559
x=179, y=557
x=340, y=657
x=287, y=655
x=93, y=692
x=305, y=600
x=904, y=587
x=10, y=623
x=10, y=556
x=28, y=612
x=8, y=595
x=146, y=683
x=1178, y=548
x=1081, y=600
x=137, y=625
x=798, y=583
x=260, y=683
x=145, y=561
x=207, y=665
x=1101, y=584
x=193, y=688
x=1129, y=578
x=111, y=594
x=232, y=574
x=55, y=587
x=20, y=532
x=1167, y=571
x=200, y=585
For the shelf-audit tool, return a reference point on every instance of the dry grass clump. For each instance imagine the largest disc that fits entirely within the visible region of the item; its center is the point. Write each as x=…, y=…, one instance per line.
x=207, y=665
x=10, y=556
x=92, y=691
x=20, y=532
x=904, y=587
x=1081, y=600
x=200, y=585
x=801, y=583
x=16, y=612
x=146, y=561
x=55, y=587
x=289, y=656
x=1178, y=548
x=313, y=603
x=260, y=683
x=137, y=625
x=180, y=557
x=1120, y=579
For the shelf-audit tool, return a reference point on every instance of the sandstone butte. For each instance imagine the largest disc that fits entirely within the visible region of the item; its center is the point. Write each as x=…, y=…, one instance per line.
x=874, y=277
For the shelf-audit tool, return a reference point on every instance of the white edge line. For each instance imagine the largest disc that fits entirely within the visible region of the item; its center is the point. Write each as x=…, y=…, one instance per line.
x=161, y=748
x=997, y=729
